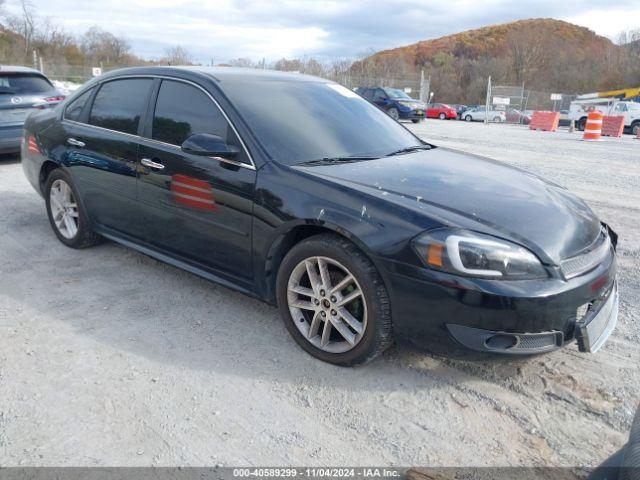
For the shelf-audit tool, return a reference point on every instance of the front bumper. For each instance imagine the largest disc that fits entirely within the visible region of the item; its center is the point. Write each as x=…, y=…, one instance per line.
x=591, y=331
x=412, y=114
x=436, y=309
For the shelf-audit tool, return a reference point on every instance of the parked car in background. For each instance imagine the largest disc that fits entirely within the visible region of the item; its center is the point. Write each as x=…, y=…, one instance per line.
x=565, y=118
x=21, y=91
x=395, y=102
x=459, y=108
x=479, y=114
x=296, y=190
x=513, y=115
x=441, y=111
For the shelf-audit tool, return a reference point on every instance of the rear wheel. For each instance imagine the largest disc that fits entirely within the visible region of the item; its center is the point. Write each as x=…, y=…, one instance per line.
x=635, y=128
x=333, y=301
x=393, y=113
x=442, y=116
x=497, y=119
x=468, y=118
x=415, y=120
x=67, y=218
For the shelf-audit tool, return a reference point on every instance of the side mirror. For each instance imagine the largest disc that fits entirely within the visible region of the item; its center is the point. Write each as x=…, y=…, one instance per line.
x=209, y=145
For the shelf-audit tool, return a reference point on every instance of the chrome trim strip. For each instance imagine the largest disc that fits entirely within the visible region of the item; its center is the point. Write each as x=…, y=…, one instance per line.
x=166, y=77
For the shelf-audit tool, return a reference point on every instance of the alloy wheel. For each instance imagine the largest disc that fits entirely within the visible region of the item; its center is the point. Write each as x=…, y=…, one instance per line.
x=64, y=209
x=327, y=304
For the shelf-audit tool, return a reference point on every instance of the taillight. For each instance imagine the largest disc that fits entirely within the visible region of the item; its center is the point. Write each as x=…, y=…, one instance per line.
x=57, y=98
x=32, y=145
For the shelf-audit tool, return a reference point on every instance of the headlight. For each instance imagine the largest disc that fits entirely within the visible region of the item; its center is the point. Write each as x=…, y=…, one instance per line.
x=477, y=255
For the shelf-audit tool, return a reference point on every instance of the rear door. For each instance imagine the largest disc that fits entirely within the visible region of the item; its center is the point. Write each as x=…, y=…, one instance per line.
x=197, y=208
x=102, y=143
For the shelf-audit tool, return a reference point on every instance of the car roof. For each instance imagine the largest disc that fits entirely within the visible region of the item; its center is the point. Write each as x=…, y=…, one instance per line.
x=18, y=69
x=219, y=74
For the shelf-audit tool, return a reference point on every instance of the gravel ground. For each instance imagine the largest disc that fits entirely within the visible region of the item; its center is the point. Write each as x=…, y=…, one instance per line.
x=110, y=358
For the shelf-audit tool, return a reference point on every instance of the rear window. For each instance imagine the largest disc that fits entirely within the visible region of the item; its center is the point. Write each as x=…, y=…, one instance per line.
x=119, y=104
x=23, y=84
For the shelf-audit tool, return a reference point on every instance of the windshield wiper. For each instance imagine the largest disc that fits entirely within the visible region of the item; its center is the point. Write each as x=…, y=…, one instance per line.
x=415, y=148
x=334, y=160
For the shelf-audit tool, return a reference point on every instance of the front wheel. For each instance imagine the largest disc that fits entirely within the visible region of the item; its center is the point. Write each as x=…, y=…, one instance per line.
x=442, y=116
x=393, y=113
x=468, y=118
x=67, y=218
x=497, y=119
x=635, y=128
x=333, y=301
x=415, y=120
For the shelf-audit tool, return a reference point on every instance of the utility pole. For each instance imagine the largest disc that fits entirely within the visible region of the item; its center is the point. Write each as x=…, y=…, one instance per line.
x=486, y=106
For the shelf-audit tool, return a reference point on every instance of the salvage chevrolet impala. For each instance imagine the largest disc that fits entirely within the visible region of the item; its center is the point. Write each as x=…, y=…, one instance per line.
x=299, y=192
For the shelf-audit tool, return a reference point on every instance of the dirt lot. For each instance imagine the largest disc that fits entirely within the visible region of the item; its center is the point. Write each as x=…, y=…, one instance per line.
x=110, y=358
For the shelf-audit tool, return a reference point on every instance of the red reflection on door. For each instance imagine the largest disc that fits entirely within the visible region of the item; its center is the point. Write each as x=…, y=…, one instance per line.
x=192, y=192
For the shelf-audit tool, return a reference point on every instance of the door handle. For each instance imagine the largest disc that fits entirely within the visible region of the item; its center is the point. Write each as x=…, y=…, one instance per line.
x=75, y=143
x=151, y=164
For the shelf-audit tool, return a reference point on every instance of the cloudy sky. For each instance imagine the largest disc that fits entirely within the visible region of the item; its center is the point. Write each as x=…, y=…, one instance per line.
x=225, y=29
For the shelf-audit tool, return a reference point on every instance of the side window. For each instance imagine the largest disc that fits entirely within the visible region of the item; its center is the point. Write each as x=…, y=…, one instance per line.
x=74, y=109
x=379, y=95
x=183, y=110
x=366, y=93
x=119, y=104
x=621, y=107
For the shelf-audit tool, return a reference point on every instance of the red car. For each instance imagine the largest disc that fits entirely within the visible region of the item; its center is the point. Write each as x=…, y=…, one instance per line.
x=441, y=111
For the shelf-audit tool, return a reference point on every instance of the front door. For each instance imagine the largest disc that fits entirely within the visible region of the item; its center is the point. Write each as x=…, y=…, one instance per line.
x=196, y=208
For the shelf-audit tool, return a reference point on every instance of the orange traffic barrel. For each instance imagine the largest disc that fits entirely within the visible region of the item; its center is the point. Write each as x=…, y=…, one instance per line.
x=593, y=128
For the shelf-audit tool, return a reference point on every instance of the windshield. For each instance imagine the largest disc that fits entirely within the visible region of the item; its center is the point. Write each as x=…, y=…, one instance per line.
x=23, y=84
x=302, y=121
x=396, y=94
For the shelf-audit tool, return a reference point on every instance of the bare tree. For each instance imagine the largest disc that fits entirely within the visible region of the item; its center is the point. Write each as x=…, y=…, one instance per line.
x=24, y=24
x=529, y=50
x=243, y=62
x=101, y=46
x=177, y=55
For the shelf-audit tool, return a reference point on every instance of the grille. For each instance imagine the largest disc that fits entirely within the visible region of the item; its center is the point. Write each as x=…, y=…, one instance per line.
x=574, y=266
x=527, y=342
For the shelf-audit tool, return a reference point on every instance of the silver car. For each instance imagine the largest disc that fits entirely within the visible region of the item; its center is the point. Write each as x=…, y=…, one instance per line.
x=479, y=114
x=21, y=91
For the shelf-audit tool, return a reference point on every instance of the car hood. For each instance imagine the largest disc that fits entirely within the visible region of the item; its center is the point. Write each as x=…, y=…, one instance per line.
x=486, y=195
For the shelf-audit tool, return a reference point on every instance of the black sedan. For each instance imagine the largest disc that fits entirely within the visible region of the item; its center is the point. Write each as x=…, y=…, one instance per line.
x=299, y=192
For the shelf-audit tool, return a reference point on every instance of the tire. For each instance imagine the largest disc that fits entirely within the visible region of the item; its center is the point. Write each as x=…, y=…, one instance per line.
x=82, y=237
x=371, y=308
x=468, y=118
x=393, y=113
x=497, y=119
x=635, y=128
x=442, y=116
x=415, y=120
x=582, y=123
